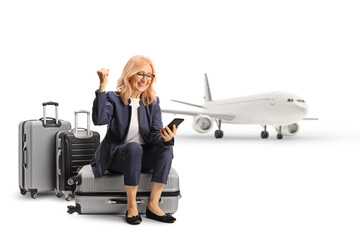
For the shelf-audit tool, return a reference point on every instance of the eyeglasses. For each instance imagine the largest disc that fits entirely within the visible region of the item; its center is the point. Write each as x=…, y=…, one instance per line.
x=141, y=75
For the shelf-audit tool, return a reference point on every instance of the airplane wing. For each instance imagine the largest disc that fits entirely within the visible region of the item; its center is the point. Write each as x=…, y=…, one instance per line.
x=191, y=113
x=195, y=113
x=186, y=103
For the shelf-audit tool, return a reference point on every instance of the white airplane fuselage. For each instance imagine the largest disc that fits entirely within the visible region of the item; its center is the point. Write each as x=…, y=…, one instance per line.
x=273, y=108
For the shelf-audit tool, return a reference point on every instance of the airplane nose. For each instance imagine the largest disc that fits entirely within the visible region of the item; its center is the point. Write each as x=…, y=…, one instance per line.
x=303, y=106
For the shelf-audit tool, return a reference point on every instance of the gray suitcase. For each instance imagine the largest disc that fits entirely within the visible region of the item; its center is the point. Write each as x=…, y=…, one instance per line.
x=37, y=152
x=107, y=195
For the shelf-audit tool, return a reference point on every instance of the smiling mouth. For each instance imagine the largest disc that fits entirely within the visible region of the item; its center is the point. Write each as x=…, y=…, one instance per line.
x=142, y=84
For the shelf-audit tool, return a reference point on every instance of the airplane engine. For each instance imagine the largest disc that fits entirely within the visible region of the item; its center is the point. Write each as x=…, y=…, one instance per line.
x=289, y=130
x=202, y=123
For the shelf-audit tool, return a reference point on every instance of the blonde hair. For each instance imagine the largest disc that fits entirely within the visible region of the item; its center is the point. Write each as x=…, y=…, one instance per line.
x=123, y=85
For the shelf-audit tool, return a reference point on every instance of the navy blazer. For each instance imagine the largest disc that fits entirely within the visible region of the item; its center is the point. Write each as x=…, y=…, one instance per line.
x=108, y=108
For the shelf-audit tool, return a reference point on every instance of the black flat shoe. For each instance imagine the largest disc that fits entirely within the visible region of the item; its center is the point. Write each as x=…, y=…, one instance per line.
x=133, y=220
x=167, y=218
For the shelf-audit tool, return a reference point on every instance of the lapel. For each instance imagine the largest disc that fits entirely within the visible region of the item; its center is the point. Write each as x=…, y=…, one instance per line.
x=141, y=113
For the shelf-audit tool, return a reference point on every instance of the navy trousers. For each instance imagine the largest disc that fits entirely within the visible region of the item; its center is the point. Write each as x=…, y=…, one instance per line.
x=132, y=158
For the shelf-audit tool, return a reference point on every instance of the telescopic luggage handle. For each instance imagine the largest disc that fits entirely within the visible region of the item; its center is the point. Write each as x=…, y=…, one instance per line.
x=56, y=111
x=89, y=133
x=50, y=103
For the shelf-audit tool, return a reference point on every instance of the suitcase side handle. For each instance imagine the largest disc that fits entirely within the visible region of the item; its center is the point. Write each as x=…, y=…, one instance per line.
x=24, y=154
x=89, y=133
x=58, y=166
x=123, y=201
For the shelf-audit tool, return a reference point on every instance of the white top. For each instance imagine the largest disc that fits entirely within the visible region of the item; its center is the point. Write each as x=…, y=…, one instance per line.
x=134, y=134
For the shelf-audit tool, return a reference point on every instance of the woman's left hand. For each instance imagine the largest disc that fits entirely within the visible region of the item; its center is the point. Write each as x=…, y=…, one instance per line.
x=167, y=134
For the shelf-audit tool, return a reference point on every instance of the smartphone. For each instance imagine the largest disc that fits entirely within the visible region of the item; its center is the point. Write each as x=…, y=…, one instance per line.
x=176, y=121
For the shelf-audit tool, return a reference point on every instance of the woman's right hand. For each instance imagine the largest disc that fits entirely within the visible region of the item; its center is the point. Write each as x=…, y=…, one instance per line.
x=103, y=74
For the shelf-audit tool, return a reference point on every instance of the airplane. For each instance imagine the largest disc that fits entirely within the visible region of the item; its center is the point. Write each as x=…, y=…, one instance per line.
x=281, y=110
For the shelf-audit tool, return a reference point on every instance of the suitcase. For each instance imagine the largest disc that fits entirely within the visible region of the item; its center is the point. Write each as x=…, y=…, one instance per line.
x=37, y=152
x=107, y=195
x=74, y=149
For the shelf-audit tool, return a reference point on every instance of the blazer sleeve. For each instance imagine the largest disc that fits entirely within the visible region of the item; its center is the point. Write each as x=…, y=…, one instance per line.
x=103, y=109
x=156, y=126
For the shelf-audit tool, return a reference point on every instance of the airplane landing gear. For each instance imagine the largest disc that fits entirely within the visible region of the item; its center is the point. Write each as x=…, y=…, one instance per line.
x=219, y=133
x=264, y=134
x=279, y=135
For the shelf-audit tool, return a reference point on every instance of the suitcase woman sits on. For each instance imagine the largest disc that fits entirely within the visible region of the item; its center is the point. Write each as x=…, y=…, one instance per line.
x=135, y=138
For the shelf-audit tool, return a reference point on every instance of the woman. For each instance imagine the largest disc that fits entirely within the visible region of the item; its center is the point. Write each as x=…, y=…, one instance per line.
x=135, y=139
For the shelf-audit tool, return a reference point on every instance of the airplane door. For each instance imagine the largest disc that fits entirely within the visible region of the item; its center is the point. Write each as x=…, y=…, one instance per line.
x=273, y=100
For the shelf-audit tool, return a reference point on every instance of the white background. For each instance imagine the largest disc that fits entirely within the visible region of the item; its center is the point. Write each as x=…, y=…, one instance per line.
x=243, y=187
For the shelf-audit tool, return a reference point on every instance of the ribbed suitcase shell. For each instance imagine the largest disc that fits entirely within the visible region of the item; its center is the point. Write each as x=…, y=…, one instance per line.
x=107, y=195
x=72, y=153
x=37, y=156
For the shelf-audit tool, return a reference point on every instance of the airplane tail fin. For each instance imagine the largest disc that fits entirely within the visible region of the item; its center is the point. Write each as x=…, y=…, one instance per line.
x=207, y=97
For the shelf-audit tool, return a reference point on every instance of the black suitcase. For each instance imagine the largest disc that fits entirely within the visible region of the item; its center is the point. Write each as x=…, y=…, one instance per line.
x=74, y=149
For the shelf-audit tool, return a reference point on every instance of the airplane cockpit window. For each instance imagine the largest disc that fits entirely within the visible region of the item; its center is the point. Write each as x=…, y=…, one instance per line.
x=297, y=100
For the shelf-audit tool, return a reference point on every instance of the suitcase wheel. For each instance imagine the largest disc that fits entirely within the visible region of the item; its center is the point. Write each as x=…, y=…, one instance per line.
x=33, y=193
x=57, y=193
x=22, y=191
x=71, y=181
x=72, y=209
x=74, y=180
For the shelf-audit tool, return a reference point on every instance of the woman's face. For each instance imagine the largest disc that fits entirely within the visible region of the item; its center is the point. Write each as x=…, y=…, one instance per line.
x=141, y=84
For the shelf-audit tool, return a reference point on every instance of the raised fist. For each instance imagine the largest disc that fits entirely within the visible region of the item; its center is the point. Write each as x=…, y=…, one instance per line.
x=103, y=74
